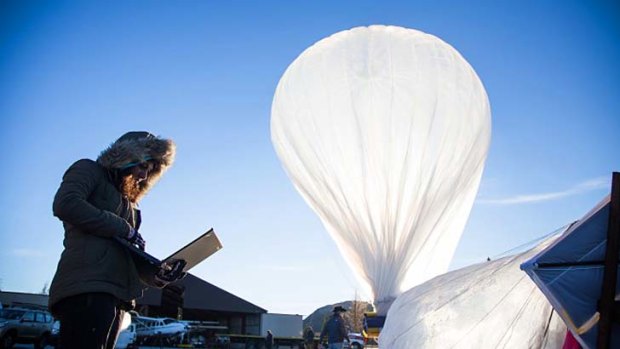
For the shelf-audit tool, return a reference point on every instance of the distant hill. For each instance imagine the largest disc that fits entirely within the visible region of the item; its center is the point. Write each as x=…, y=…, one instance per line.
x=319, y=316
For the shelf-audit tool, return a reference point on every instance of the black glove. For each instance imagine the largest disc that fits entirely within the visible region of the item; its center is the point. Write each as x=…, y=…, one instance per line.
x=170, y=272
x=136, y=239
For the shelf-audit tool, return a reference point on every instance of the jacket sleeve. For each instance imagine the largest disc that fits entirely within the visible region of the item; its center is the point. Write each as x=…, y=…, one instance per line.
x=71, y=202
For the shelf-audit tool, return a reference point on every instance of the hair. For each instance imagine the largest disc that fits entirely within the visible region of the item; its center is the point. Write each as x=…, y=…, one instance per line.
x=132, y=149
x=128, y=186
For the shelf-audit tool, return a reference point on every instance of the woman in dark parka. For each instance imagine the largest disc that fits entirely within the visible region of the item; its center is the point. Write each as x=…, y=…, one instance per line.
x=96, y=279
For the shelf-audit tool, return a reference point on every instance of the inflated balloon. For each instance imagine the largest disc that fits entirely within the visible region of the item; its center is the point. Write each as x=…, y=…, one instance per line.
x=384, y=131
x=487, y=305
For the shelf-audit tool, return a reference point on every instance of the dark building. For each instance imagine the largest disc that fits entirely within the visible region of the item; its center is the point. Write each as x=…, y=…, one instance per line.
x=195, y=299
x=16, y=299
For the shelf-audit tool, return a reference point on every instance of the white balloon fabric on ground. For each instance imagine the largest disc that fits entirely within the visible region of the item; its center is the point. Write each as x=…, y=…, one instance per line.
x=384, y=131
x=488, y=305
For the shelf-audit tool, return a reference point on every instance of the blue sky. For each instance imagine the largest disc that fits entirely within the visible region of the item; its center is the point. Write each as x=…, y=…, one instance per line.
x=76, y=75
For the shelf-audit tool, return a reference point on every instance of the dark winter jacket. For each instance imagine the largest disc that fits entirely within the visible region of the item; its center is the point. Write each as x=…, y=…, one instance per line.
x=334, y=329
x=93, y=211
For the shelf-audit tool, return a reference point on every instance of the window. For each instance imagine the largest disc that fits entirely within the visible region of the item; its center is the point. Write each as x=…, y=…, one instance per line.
x=29, y=316
x=11, y=314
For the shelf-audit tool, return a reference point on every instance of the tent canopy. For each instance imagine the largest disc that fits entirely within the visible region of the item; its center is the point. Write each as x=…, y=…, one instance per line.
x=570, y=274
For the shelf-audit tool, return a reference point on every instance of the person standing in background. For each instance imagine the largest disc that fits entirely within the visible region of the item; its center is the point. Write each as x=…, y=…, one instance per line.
x=335, y=330
x=309, y=338
x=269, y=340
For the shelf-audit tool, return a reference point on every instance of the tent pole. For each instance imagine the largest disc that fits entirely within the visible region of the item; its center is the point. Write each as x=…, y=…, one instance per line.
x=610, y=276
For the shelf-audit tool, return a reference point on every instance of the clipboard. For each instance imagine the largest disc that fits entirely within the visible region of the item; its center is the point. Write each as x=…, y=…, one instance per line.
x=193, y=253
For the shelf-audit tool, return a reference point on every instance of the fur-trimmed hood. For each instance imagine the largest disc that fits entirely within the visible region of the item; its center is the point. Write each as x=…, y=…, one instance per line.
x=135, y=147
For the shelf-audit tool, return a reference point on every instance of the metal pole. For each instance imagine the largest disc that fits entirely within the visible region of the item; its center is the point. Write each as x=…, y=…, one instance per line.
x=610, y=276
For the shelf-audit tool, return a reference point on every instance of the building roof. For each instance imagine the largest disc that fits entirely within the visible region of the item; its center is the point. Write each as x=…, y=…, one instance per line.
x=22, y=298
x=202, y=295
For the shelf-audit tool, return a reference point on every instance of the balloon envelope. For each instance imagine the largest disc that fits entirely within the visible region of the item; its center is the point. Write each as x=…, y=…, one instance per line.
x=488, y=305
x=384, y=131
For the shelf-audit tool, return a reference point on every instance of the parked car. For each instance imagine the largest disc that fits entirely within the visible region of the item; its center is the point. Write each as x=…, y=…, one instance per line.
x=356, y=341
x=54, y=338
x=21, y=325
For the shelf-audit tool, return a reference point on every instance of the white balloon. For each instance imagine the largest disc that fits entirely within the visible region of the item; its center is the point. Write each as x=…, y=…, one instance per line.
x=487, y=305
x=384, y=131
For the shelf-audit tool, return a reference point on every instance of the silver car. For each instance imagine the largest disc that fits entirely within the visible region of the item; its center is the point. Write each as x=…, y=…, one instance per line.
x=21, y=325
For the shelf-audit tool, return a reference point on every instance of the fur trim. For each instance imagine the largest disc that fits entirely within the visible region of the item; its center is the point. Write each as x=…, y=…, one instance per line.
x=137, y=148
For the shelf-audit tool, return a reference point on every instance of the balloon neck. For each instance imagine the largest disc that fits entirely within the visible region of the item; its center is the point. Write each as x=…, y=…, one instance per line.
x=383, y=305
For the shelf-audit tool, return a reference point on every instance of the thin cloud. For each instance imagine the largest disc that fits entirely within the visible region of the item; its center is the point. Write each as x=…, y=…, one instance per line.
x=589, y=185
